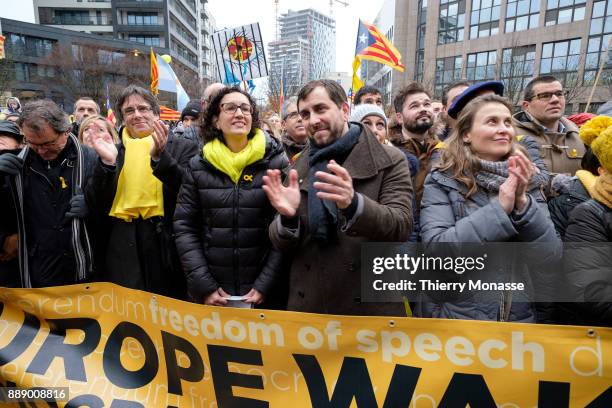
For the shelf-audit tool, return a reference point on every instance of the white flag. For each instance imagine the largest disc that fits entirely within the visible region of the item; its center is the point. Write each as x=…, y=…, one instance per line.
x=240, y=54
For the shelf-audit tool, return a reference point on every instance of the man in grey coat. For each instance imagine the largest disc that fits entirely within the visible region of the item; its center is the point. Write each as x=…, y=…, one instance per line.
x=345, y=189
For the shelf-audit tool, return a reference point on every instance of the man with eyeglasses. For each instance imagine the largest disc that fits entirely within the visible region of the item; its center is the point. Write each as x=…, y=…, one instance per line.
x=47, y=179
x=294, y=136
x=136, y=192
x=542, y=118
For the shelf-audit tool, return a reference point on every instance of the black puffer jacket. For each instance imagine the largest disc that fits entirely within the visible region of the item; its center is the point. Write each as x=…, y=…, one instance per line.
x=221, y=228
x=588, y=266
x=571, y=194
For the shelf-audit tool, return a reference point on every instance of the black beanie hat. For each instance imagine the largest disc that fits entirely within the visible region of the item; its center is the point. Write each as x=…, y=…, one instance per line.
x=10, y=129
x=193, y=108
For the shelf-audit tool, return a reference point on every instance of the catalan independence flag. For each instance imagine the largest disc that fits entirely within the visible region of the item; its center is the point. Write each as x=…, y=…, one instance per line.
x=154, y=73
x=281, y=96
x=110, y=115
x=374, y=46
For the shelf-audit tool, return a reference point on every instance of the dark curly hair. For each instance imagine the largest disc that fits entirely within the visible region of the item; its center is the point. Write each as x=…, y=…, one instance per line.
x=209, y=132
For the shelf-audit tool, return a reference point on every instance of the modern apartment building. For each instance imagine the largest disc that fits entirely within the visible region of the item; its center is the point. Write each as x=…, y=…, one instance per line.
x=175, y=25
x=306, y=49
x=48, y=62
x=511, y=40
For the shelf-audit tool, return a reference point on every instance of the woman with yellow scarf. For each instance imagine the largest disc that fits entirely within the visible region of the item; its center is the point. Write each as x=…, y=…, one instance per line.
x=222, y=214
x=588, y=259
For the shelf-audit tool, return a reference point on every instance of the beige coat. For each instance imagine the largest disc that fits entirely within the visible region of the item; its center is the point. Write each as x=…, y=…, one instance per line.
x=561, y=152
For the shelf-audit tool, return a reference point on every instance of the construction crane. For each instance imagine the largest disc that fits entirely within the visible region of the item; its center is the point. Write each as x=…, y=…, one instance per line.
x=331, y=5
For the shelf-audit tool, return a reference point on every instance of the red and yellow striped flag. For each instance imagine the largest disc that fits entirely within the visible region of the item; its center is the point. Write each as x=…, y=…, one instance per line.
x=373, y=45
x=154, y=73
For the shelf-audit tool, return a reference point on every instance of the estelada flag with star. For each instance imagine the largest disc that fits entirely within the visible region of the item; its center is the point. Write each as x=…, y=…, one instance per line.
x=374, y=46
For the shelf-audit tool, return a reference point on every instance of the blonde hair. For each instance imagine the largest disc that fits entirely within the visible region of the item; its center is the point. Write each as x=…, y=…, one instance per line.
x=458, y=158
x=109, y=127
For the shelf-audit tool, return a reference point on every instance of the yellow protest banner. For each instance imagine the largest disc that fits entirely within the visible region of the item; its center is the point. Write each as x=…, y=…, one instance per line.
x=115, y=347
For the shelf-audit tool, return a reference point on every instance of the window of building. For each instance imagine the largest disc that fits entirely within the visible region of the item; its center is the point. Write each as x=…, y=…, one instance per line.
x=134, y=18
x=72, y=17
x=564, y=11
x=145, y=39
x=420, y=53
x=517, y=69
x=29, y=46
x=184, y=52
x=599, y=40
x=484, y=21
x=25, y=72
x=561, y=59
x=183, y=33
x=182, y=11
x=593, y=107
x=448, y=70
x=481, y=65
x=22, y=72
x=522, y=15
x=452, y=21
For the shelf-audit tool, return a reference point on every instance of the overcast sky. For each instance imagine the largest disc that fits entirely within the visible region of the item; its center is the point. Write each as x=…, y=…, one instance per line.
x=229, y=14
x=22, y=10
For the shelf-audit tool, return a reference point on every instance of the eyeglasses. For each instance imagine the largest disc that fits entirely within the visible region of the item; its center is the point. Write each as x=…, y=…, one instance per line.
x=46, y=145
x=292, y=115
x=142, y=109
x=545, y=96
x=231, y=108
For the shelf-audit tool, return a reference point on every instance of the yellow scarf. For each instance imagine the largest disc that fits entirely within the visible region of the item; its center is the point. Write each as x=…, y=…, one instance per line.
x=230, y=163
x=139, y=193
x=587, y=179
x=603, y=189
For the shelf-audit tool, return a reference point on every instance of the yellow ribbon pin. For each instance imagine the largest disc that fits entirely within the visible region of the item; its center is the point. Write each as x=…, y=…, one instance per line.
x=63, y=183
x=248, y=177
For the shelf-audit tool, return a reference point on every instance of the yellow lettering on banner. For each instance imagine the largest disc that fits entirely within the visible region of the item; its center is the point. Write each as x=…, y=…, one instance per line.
x=119, y=347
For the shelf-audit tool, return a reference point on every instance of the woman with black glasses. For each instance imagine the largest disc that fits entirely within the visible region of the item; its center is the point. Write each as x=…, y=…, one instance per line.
x=222, y=215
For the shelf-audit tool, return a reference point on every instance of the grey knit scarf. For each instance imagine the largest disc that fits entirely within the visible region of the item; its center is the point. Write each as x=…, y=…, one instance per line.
x=492, y=174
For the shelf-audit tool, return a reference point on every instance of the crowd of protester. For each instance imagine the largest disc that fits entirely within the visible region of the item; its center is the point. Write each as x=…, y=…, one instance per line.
x=234, y=206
